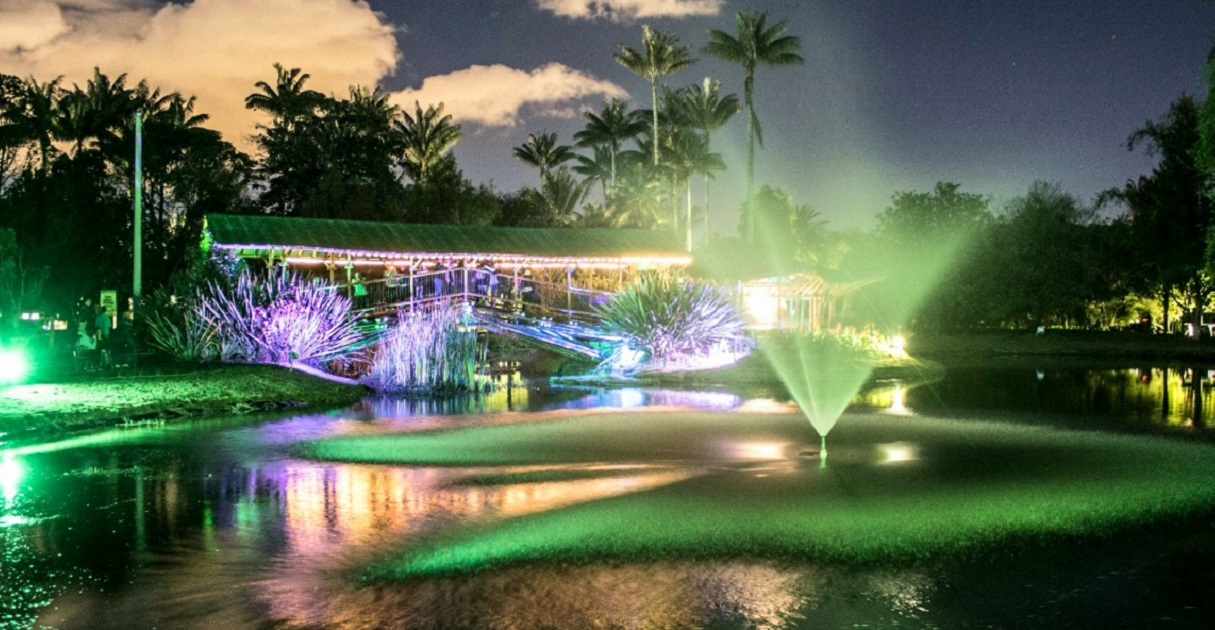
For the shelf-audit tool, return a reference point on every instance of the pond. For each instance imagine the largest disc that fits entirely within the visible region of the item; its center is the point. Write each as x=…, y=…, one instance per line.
x=220, y=524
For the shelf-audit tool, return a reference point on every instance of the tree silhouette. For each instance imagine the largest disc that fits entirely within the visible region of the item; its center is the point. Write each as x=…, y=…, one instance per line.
x=754, y=44
x=661, y=55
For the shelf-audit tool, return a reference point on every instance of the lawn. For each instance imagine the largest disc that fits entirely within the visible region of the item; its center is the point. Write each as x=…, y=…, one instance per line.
x=896, y=489
x=46, y=408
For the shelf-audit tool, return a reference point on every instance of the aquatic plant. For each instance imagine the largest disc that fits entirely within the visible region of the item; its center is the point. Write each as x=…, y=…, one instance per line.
x=671, y=317
x=428, y=350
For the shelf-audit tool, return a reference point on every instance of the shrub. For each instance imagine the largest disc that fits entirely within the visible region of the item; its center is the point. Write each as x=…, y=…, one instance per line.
x=669, y=317
x=280, y=318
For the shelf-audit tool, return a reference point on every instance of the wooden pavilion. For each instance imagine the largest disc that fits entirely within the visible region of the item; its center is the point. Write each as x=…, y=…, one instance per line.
x=598, y=259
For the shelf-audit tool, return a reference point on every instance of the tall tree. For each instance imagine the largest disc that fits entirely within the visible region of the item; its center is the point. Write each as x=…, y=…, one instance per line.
x=428, y=137
x=36, y=116
x=598, y=166
x=919, y=239
x=703, y=107
x=614, y=125
x=1171, y=209
x=562, y=194
x=287, y=101
x=1043, y=253
x=97, y=113
x=753, y=44
x=687, y=154
x=543, y=152
x=292, y=152
x=661, y=56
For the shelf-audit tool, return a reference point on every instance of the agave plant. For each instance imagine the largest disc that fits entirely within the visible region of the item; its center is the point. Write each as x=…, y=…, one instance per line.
x=669, y=317
x=280, y=318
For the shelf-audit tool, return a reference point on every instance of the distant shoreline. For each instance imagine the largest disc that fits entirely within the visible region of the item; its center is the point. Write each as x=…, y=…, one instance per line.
x=1099, y=346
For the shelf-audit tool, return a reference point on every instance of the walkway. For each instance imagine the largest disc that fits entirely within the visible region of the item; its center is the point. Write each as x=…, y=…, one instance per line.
x=557, y=315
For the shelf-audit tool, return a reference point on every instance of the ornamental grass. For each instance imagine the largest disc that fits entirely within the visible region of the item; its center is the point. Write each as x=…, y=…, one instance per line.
x=428, y=351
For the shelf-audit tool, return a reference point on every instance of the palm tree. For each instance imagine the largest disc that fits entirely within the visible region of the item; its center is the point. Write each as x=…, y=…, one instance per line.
x=102, y=109
x=663, y=56
x=286, y=100
x=562, y=194
x=597, y=167
x=704, y=108
x=38, y=117
x=755, y=44
x=638, y=193
x=543, y=152
x=427, y=136
x=595, y=215
x=611, y=128
x=688, y=153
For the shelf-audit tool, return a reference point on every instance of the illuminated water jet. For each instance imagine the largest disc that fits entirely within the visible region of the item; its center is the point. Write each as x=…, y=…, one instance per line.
x=823, y=373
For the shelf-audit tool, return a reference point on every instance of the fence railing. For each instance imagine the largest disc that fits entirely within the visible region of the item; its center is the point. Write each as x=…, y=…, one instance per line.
x=487, y=289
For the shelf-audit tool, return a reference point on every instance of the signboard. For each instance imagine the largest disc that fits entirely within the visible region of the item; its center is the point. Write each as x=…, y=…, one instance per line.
x=109, y=301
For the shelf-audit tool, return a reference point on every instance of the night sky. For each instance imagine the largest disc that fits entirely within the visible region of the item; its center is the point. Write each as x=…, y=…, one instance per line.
x=894, y=95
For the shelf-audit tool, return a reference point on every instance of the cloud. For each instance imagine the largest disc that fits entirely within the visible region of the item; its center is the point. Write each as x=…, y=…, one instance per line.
x=27, y=25
x=496, y=96
x=213, y=49
x=619, y=10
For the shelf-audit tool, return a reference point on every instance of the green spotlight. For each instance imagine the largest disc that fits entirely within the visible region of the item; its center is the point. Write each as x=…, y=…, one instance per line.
x=13, y=366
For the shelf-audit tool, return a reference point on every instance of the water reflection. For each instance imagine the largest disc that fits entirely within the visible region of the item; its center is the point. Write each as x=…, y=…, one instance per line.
x=214, y=524
x=664, y=595
x=1155, y=397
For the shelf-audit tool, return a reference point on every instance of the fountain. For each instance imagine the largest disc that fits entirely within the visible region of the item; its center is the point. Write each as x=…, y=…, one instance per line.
x=823, y=372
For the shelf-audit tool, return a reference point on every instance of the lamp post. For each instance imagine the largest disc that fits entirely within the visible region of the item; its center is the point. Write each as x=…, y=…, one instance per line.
x=137, y=283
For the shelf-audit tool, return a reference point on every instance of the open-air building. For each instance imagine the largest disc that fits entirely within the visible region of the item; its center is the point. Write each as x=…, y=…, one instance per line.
x=381, y=262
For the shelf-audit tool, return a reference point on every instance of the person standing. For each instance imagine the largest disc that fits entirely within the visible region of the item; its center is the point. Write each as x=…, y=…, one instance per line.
x=103, y=324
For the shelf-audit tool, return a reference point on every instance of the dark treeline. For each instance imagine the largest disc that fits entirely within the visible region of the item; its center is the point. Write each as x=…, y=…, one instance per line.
x=943, y=259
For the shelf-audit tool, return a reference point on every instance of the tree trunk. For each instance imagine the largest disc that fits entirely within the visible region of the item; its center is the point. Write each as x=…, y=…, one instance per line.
x=1168, y=290
x=688, y=218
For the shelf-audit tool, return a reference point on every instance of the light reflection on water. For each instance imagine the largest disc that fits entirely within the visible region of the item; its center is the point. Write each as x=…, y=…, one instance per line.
x=217, y=525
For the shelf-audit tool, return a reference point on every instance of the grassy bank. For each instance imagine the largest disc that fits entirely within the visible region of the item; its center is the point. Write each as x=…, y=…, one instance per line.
x=49, y=408
x=1063, y=344
x=896, y=489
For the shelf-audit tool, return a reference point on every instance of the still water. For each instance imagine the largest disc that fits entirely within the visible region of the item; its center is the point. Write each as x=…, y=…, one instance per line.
x=215, y=524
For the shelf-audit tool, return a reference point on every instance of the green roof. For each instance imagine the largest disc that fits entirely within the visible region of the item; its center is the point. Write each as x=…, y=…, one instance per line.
x=260, y=232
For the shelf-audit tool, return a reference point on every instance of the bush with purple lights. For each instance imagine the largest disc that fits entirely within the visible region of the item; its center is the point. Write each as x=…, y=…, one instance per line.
x=899, y=489
x=678, y=322
x=280, y=318
x=284, y=318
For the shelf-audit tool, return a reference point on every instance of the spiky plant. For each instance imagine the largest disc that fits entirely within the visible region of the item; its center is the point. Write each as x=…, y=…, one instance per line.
x=180, y=329
x=427, y=351
x=668, y=317
x=280, y=318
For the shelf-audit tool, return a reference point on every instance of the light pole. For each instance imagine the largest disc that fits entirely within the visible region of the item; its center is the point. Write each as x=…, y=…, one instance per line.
x=137, y=283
